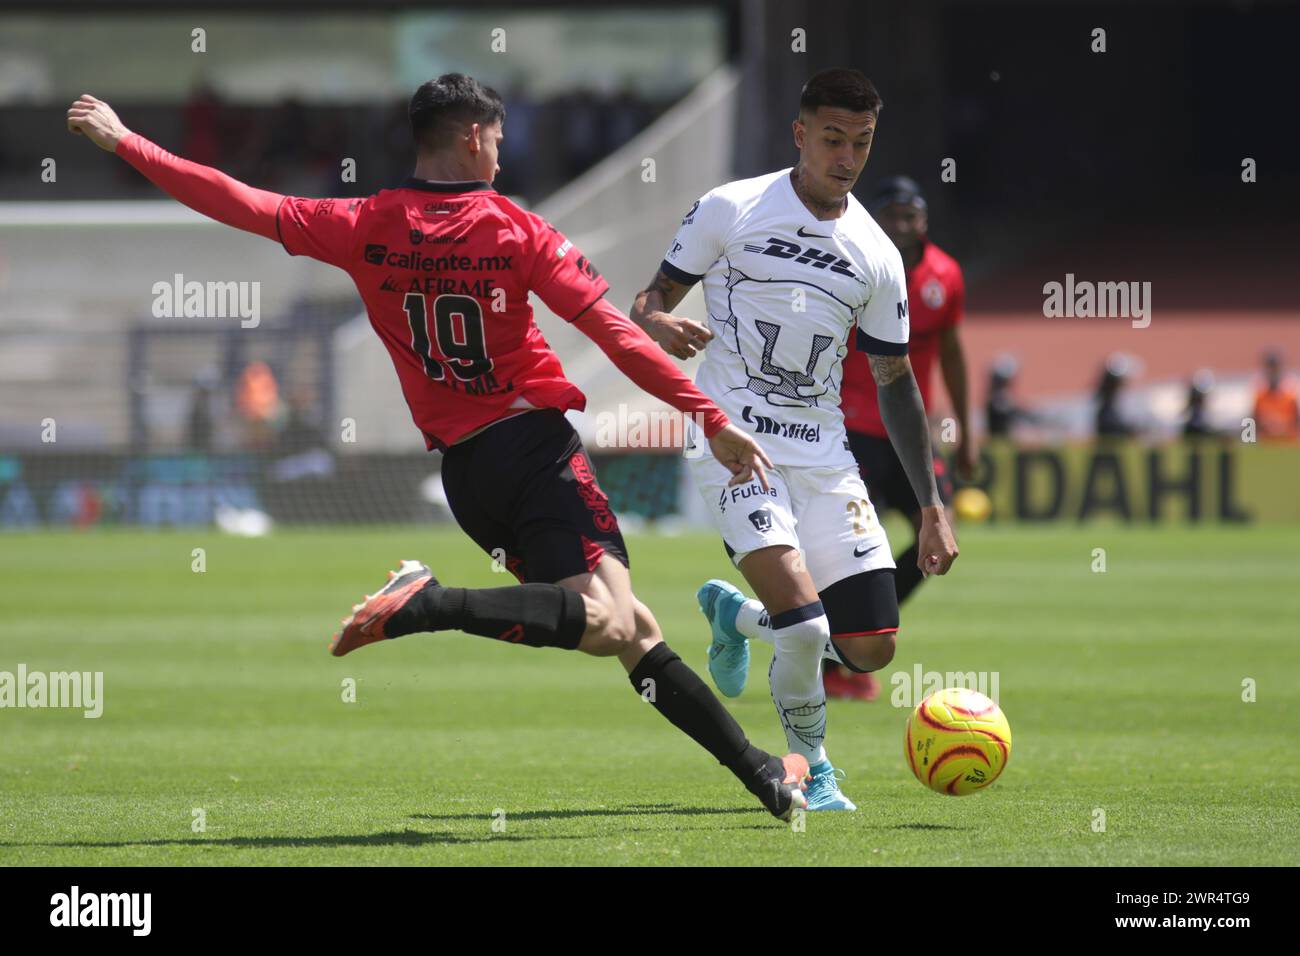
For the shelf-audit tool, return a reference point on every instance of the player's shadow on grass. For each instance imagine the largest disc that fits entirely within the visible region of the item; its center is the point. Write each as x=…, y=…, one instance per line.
x=923, y=826
x=632, y=810
x=394, y=838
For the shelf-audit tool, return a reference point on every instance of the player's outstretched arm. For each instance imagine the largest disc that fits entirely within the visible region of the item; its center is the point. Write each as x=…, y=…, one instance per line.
x=903, y=413
x=652, y=310
x=637, y=356
x=203, y=189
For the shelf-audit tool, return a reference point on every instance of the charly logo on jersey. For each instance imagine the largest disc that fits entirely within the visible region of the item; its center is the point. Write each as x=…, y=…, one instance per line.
x=808, y=256
x=799, y=431
x=440, y=208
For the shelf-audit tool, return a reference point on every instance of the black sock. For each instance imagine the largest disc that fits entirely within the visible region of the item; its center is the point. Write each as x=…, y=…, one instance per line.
x=908, y=575
x=678, y=693
x=539, y=615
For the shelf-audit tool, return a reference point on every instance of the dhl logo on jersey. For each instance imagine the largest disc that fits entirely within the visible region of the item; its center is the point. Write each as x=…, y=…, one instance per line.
x=784, y=249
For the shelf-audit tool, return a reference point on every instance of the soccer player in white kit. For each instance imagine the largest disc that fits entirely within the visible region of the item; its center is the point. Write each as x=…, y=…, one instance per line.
x=795, y=273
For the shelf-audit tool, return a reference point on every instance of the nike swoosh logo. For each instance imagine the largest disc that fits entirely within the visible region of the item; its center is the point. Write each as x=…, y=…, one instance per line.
x=858, y=553
x=809, y=235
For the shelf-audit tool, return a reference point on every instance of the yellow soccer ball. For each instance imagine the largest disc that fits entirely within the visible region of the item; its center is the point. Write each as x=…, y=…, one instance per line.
x=957, y=741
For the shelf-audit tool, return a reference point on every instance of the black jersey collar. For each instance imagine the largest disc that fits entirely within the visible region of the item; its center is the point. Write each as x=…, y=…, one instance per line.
x=430, y=186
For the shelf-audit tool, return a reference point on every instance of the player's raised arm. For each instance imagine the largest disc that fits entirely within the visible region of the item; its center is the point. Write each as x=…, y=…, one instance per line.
x=203, y=189
x=652, y=310
x=637, y=356
x=572, y=288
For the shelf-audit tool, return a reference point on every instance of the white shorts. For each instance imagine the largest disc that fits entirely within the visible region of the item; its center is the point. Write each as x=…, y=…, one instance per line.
x=823, y=512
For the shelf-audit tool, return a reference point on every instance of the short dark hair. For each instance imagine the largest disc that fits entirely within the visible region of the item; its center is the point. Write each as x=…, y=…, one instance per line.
x=897, y=189
x=442, y=107
x=845, y=89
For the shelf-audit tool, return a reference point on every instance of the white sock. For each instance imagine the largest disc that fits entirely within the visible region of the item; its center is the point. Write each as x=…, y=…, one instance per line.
x=796, y=679
x=752, y=621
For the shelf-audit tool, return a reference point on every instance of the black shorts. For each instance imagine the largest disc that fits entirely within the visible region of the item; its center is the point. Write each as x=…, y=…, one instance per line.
x=864, y=605
x=885, y=477
x=525, y=491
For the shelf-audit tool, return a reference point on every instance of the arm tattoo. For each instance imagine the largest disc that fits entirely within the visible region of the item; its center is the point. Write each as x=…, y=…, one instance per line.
x=903, y=413
x=886, y=369
x=661, y=284
x=669, y=290
x=643, y=307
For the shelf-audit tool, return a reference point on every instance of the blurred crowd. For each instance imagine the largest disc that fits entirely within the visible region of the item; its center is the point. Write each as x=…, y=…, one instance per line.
x=1273, y=413
x=259, y=414
x=298, y=148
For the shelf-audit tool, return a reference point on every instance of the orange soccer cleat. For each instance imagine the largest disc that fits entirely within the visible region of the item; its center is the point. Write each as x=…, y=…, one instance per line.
x=366, y=623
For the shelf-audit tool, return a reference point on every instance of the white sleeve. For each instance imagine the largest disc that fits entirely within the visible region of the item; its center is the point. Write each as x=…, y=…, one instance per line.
x=883, y=322
x=700, y=239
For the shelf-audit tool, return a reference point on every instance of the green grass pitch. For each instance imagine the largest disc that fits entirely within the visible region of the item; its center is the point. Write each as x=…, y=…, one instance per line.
x=1124, y=692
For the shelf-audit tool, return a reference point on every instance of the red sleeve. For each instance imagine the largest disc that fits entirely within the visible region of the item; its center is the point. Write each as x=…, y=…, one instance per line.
x=321, y=228
x=646, y=364
x=202, y=188
x=561, y=276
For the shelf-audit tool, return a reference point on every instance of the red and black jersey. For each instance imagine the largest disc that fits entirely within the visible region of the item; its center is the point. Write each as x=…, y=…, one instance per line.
x=936, y=293
x=445, y=270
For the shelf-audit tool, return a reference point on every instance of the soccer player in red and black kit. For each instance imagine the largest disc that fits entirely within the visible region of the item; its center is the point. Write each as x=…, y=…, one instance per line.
x=936, y=295
x=444, y=265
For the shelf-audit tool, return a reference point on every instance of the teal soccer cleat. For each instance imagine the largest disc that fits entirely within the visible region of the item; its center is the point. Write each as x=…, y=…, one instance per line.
x=729, y=652
x=824, y=789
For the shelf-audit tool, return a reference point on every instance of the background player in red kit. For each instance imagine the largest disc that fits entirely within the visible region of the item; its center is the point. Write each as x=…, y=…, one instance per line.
x=936, y=295
x=444, y=265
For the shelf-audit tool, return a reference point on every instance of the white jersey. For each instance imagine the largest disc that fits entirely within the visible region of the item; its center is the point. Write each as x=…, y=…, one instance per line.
x=785, y=292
